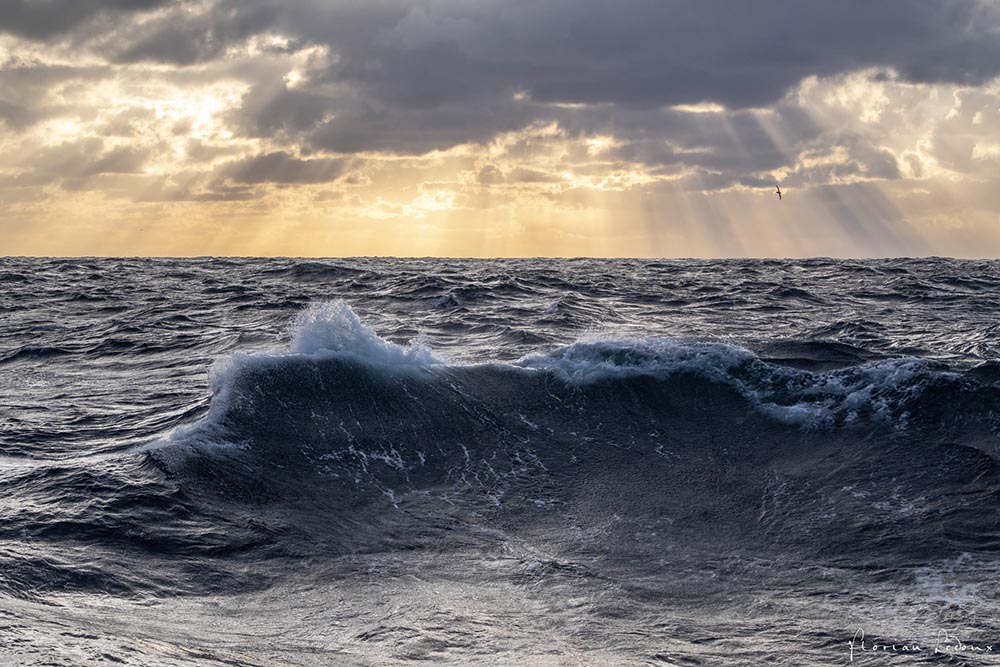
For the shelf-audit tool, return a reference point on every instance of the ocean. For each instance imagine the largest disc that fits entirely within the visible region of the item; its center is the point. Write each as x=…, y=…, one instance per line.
x=273, y=462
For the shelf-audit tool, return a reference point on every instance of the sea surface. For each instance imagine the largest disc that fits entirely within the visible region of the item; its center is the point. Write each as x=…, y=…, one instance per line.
x=276, y=462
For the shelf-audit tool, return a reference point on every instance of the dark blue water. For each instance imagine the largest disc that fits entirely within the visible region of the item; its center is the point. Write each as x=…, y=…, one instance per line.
x=510, y=462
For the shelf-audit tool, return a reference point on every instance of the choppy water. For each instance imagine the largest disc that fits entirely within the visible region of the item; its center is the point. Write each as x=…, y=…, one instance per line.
x=566, y=462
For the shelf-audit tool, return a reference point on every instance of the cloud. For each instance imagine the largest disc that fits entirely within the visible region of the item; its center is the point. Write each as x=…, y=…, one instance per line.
x=282, y=168
x=654, y=52
x=398, y=60
x=410, y=77
x=181, y=36
x=269, y=108
x=359, y=126
x=563, y=105
x=637, y=52
x=80, y=160
x=27, y=87
x=42, y=19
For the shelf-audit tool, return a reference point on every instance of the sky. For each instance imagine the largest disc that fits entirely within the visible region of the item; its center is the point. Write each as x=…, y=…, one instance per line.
x=500, y=127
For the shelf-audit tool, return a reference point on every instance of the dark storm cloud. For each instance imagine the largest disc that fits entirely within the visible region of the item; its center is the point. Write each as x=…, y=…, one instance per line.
x=412, y=76
x=425, y=54
x=635, y=52
x=426, y=75
x=183, y=38
x=42, y=19
x=283, y=168
x=360, y=125
x=270, y=108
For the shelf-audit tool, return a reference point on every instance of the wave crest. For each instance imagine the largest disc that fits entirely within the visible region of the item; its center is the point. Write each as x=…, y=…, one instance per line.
x=881, y=390
x=333, y=328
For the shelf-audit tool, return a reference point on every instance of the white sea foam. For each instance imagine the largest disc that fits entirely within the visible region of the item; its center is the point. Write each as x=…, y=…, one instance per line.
x=793, y=396
x=333, y=328
x=322, y=331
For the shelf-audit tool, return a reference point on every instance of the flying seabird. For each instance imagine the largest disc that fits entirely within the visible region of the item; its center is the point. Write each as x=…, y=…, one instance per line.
x=779, y=192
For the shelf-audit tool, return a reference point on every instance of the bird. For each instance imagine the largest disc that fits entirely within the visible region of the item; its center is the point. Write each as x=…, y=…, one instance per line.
x=779, y=192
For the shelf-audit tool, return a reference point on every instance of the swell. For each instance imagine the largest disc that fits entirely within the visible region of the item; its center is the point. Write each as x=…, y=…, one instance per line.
x=346, y=443
x=659, y=427
x=338, y=370
x=83, y=525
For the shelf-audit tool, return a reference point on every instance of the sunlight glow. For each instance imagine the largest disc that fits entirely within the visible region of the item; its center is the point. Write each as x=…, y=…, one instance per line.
x=148, y=159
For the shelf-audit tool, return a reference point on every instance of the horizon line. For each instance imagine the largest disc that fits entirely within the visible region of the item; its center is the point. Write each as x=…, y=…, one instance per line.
x=519, y=257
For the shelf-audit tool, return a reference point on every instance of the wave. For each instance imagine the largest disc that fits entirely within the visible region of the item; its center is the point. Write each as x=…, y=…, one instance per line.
x=332, y=329
x=341, y=394
x=880, y=390
x=344, y=419
x=861, y=386
x=316, y=271
x=344, y=442
x=664, y=467
x=33, y=352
